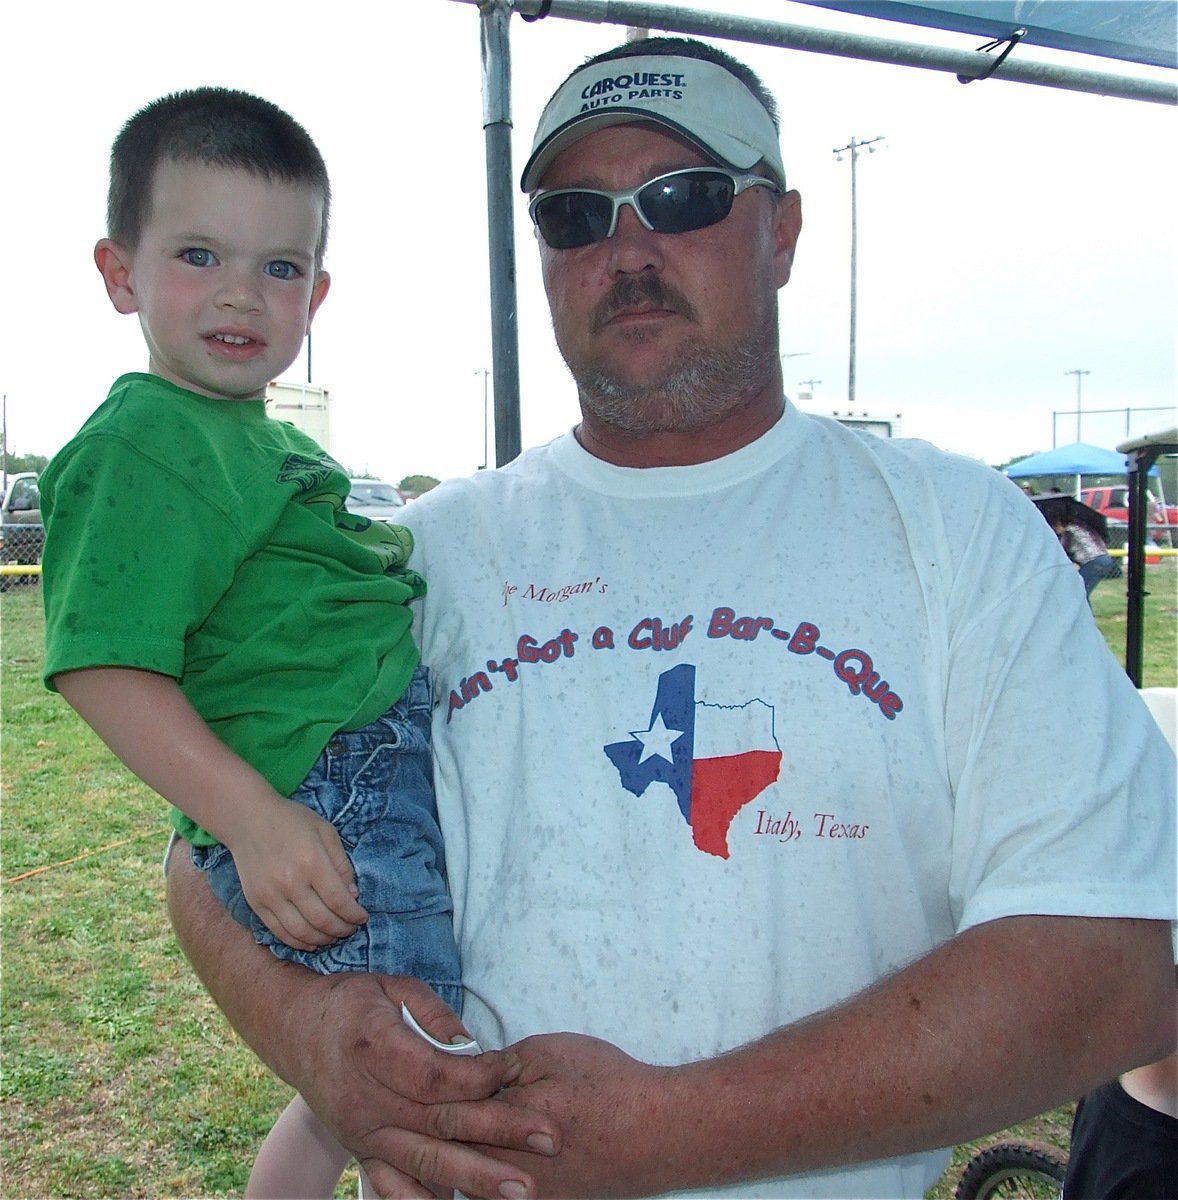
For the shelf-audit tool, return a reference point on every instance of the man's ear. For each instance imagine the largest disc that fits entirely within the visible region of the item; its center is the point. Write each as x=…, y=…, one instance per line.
x=114, y=265
x=318, y=294
x=786, y=231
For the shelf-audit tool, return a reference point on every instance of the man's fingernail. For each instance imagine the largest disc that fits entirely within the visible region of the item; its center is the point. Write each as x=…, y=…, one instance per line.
x=512, y=1189
x=512, y=1069
x=541, y=1143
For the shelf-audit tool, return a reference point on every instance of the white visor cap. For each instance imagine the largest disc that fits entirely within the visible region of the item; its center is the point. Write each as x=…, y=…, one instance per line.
x=700, y=100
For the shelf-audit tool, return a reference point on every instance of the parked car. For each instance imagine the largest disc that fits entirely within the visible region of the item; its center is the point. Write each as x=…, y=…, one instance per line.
x=1112, y=502
x=21, y=533
x=374, y=498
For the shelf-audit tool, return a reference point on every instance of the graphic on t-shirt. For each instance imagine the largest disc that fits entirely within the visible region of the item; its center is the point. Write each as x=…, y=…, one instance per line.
x=309, y=473
x=715, y=758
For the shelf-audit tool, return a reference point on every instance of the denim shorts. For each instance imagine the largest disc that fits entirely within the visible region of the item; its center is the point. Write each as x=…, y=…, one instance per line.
x=375, y=786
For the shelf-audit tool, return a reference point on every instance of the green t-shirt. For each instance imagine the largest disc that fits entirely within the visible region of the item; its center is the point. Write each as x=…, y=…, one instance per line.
x=200, y=539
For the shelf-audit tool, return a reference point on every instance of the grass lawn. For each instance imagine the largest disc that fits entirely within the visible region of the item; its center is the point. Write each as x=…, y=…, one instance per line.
x=1160, y=648
x=120, y=1078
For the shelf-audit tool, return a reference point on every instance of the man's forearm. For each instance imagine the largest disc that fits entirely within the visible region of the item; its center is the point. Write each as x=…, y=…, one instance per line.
x=1007, y=1020
x=225, y=956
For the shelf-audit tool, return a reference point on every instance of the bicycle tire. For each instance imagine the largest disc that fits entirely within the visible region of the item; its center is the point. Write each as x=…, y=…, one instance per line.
x=1013, y=1171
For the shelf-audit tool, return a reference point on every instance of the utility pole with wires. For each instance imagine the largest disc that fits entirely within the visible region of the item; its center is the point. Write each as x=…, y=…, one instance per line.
x=853, y=147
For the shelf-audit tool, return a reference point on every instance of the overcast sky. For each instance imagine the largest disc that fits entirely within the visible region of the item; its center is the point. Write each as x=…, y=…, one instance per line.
x=1007, y=234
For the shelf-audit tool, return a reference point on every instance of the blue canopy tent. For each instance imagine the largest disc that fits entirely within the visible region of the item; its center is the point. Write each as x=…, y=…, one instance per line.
x=1141, y=31
x=1078, y=458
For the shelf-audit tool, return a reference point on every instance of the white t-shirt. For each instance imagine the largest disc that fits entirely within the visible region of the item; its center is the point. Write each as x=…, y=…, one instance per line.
x=718, y=746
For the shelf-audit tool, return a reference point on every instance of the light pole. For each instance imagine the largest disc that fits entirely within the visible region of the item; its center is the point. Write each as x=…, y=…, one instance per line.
x=1078, y=374
x=853, y=147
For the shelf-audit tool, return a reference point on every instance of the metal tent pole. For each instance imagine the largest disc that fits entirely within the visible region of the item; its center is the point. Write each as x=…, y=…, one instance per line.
x=970, y=63
x=1140, y=462
x=495, y=48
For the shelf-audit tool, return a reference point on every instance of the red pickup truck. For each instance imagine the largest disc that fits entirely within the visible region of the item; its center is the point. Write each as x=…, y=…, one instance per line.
x=1113, y=504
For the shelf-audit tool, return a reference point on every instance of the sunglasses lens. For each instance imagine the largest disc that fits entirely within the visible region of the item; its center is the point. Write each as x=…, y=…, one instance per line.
x=675, y=203
x=573, y=219
x=681, y=203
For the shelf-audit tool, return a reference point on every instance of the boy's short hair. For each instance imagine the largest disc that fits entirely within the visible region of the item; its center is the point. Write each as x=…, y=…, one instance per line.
x=216, y=126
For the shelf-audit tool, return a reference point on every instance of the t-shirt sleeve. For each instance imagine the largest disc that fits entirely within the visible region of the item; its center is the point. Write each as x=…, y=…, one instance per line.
x=1064, y=791
x=135, y=556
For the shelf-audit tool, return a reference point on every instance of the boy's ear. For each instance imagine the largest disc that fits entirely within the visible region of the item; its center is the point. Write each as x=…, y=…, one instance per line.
x=114, y=264
x=318, y=294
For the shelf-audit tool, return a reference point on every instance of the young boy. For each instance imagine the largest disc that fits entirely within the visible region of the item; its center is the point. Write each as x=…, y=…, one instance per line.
x=237, y=638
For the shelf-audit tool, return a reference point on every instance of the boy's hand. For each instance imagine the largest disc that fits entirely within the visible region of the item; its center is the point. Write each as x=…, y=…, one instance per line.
x=295, y=875
x=293, y=869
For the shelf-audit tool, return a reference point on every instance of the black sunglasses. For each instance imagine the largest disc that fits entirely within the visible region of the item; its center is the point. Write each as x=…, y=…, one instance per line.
x=679, y=202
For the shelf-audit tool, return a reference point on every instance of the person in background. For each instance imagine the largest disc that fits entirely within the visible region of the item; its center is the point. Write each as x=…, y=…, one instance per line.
x=1082, y=532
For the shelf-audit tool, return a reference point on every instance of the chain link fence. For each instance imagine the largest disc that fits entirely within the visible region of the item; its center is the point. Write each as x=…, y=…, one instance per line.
x=20, y=554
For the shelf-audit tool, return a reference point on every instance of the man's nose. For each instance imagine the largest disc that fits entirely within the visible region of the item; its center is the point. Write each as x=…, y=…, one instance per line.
x=633, y=248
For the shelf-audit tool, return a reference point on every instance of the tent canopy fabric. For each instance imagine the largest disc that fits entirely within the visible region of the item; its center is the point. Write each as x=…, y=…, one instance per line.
x=1140, y=31
x=1165, y=442
x=1079, y=458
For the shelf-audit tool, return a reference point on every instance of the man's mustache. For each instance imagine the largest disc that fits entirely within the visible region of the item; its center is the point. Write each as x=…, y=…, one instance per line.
x=635, y=290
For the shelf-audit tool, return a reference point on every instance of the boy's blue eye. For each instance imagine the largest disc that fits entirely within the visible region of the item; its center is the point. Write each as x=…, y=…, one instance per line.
x=281, y=269
x=195, y=256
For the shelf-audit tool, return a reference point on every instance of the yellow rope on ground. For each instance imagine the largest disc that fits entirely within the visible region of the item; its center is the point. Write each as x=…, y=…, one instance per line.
x=78, y=857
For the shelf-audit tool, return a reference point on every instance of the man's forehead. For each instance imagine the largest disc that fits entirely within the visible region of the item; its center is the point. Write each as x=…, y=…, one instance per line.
x=639, y=148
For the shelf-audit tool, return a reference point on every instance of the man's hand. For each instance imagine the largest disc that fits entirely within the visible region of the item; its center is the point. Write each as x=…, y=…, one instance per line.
x=403, y=1108
x=295, y=875
x=609, y=1107
x=293, y=869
